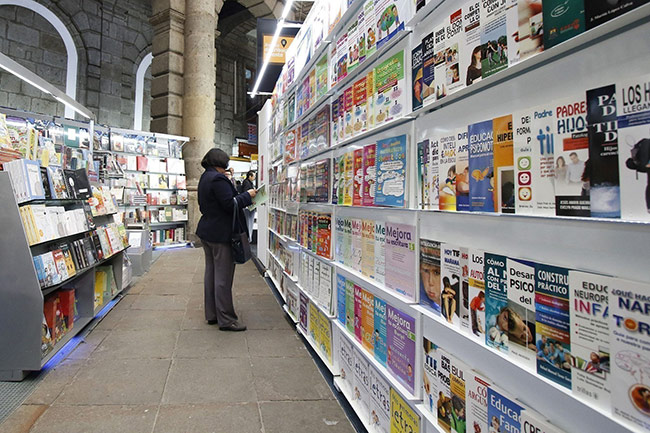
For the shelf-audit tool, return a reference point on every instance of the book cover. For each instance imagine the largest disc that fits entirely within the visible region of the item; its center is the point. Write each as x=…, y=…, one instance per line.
x=339, y=237
x=630, y=348
x=391, y=172
x=353, y=43
x=290, y=147
x=477, y=402
x=448, y=149
x=430, y=365
x=457, y=386
x=357, y=189
x=322, y=181
x=304, y=311
x=472, y=49
x=430, y=275
x=324, y=248
x=571, y=155
x=496, y=301
x=503, y=412
x=455, y=41
x=379, y=335
x=313, y=328
x=348, y=176
x=464, y=290
x=336, y=179
x=336, y=113
x=533, y=421
x=604, y=189
x=476, y=265
x=356, y=244
x=367, y=320
x=348, y=113
x=481, y=167
x=521, y=311
x=450, y=287
x=350, y=306
x=59, y=263
x=321, y=78
x=534, y=148
x=360, y=110
x=325, y=292
x=400, y=342
x=57, y=183
x=361, y=390
x=553, y=331
x=358, y=315
x=369, y=181
x=563, y=20
x=346, y=363
x=50, y=270
x=598, y=12
x=590, y=336
x=342, y=179
x=403, y=418
x=525, y=30
x=33, y=179
x=503, y=192
x=633, y=117
x=380, y=252
x=433, y=174
x=368, y=247
x=440, y=57
x=390, y=85
x=417, y=72
x=428, y=69
x=341, y=66
x=347, y=242
x=423, y=166
x=494, y=37
x=443, y=403
x=370, y=27
x=370, y=89
x=379, y=402
x=390, y=16
x=462, y=171
x=400, y=259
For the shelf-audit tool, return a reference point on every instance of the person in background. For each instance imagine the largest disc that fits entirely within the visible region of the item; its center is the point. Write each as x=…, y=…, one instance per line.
x=217, y=196
x=249, y=183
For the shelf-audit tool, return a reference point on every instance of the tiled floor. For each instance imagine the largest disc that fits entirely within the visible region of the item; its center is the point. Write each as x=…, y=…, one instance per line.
x=154, y=365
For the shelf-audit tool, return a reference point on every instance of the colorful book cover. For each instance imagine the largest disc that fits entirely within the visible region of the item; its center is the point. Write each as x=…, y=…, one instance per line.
x=462, y=172
x=481, y=167
x=471, y=53
x=324, y=287
x=353, y=44
x=430, y=367
x=370, y=89
x=494, y=37
x=525, y=30
x=476, y=265
x=630, y=349
x=571, y=155
x=348, y=113
x=391, y=172
x=290, y=147
x=322, y=129
x=380, y=252
x=358, y=313
x=361, y=391
x=534, y=148
x=433, y=174
x=369, y=184
x=403, y=418
x=379, y=402
x=339, y=237
x=325, y=345
x=443, y=403
x=321, y=78
x=357, y=170
x=477, y=402
x=400, y=259
x=370, y=27
x=553, y=332
x=504, y=165
x=367, y=321
x=416, y=77
x=322, y=181
x=348, y=177
x=563, y=20
x=304, y=311
x=314, y=323
x=360, y=110
x=356, y=244
x=534, y=421
x=341, y=183
x=604, y=190
x=325, y=236
x=464, y=290
x=336, y=179
x=341, y=121
x=440, y=57
x=379, y=335
x=598, y=12
x=457, y=386
x=391, y=93
x=349, y=307
x=346, y=363
x=400, y=341
x=633, y=111
x=521, y=311
x=503, y=413
x=336, y=112
x=363, y=20
x=347, y=242
x=368, y=247
x=390, y=16
x=341, y=57
x=455, y=40
x=428, y=69
x=450, y=288
x=430, y=275
x=423, y=182
x=340, y=298
x=448, y=149
x=590, y=336
x=496, y=302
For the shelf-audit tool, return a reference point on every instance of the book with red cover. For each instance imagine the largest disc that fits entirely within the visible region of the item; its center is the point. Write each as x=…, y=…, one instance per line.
x=142, y=163
x=357, y=190
x=369, y=175
x=67, y=300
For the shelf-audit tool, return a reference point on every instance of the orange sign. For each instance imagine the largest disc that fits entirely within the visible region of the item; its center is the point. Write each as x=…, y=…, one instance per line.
x=279, y=53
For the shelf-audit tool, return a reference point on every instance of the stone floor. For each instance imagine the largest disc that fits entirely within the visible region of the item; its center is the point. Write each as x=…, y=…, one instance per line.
x=154, y=365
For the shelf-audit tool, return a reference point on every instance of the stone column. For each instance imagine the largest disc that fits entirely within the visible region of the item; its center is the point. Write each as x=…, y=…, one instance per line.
x=198, y=95
x=168, y=21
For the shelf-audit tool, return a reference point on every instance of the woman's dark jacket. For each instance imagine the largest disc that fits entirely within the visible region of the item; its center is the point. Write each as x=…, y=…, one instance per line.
x=246, y=185
x=216, y=194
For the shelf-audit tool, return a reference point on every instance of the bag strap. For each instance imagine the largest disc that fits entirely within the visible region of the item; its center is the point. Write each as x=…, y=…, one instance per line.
x=235, y=214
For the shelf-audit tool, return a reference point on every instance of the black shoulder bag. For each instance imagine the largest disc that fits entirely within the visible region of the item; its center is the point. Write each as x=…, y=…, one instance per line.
x=241, y=249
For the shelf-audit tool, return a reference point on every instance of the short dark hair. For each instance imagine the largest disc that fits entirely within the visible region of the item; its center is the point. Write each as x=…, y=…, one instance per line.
x=249, y=174
x=215, y=158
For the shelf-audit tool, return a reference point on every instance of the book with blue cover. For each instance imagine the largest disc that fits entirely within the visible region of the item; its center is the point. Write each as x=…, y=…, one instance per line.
x=481, y=167
x=391, y=172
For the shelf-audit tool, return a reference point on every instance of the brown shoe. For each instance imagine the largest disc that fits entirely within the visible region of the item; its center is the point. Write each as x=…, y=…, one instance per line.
x=234, y=327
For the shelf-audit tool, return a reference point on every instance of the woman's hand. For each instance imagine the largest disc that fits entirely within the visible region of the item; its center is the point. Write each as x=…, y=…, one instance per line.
x=252, y=193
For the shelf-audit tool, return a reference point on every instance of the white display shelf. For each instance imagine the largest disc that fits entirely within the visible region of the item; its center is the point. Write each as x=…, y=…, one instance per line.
x=315, y=302
x=377, y=365
x=571, y=413
x=423, y=13
x=289, y=276
x=381, y=128
x=316, y=106
x=310, y=252
x=280, y=262
x=283, y=237
x=311, y=342
x=278, y=209
x=427, y=417
x=286, y=310
x=563, y=49
x=278, y=287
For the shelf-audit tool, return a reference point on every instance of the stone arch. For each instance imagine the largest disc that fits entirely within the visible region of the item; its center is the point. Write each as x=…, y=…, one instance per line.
x=66, y=36
x=145, y=63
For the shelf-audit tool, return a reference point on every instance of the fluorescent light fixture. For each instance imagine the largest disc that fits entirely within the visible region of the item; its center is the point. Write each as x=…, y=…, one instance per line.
x=75, y=109
x=287, y=9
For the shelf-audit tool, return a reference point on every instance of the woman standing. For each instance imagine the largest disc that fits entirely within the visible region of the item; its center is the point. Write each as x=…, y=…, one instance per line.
x=216, y=193
x=250, y=215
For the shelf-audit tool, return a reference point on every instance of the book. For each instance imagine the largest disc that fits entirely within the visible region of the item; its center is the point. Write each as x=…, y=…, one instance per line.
x=77, y=183
x=447, y=187
x=590, y=336
x=417, y=72
x=340, y=298
x=521, y=311
x=494, y=37
x=571, y=155
x=471, y=58
x=598, y=12
x=525, y=30
x=428, y=69
x=347, y=242
x=346, y=363
x=367, y=320
x=348, y=179
x=476, y=280
x=563, y=20
x=391, y=172
x=369, y=27
x=390, y=16
x=368, y=247
x=632, y=108
x=481, y=167
x=534, y=148
x=450, y=287
x=324, y=288
x=380, y=252
x=443, y=402
x=379, y=342
x=430, y=365
x=350, y=304
x=629, y=348
x=304, y=312
x=553, y=332
x=348, y=113
x=496, y=302
x=440, y=57
x=536, y=422
x=321, y=181
x=430, y=275
x=477, y=402
x=463, y=178
x=369, y=175
x=321, y=125
x=423, y=166
x=390, y=85
x=353, y=43
x=370, y=89
x=403, y=418
x=503, y=191
x=457, y=387
x=357, y=171
x=400, y=259
x=379, y=402
x=400, y=346
x=356, y=244
x=358, y=325
x=360, y=107
x=463, y=303
x=503, y=412
x=455, y=44
x=361, y=390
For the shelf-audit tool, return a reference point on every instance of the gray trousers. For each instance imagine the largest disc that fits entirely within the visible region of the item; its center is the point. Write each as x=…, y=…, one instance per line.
x=217, y=283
